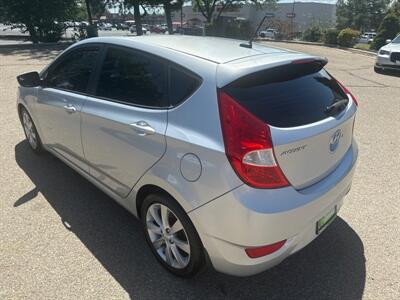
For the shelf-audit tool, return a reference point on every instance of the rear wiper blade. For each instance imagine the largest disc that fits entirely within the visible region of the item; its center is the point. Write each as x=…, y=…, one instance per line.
x=336, y=107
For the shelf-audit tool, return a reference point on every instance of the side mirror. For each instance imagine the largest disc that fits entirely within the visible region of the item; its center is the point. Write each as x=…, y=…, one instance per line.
x=388, y=41
x=30, y=79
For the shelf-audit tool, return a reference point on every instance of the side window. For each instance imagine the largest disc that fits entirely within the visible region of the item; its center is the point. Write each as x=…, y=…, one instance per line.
x=74, y=71
x=131, y=77
x=183, y=83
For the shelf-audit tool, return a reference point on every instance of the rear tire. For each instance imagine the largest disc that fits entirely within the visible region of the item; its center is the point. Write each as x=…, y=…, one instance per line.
x=31, y=134
x=171, y=236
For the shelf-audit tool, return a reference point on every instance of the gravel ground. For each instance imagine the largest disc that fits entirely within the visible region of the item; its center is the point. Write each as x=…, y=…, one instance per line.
x=62, y=238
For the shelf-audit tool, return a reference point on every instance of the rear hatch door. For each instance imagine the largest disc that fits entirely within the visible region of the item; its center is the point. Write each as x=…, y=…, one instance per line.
x=310, y=116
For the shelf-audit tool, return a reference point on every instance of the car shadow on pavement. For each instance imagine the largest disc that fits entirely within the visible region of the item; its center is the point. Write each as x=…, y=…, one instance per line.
x=390, y=73
x=331, y=267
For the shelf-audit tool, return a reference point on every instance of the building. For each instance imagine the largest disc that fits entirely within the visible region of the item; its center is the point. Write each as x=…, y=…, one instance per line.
x=306, y=14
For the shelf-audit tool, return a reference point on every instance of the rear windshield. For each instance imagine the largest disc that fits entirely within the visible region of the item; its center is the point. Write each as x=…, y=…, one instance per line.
x=287, y=96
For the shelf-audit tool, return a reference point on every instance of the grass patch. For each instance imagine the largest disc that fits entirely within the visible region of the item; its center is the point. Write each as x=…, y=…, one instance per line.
x=366, y=47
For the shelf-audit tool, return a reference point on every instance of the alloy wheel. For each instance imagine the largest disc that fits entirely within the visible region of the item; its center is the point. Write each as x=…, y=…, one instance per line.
x=168, y=236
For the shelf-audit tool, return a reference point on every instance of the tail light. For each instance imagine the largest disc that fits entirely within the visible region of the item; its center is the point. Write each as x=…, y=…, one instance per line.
x=346, y=90
x=264, y=250
x=248, y=145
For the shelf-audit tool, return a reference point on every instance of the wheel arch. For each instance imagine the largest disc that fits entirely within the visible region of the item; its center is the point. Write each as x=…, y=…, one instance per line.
x=146, y=190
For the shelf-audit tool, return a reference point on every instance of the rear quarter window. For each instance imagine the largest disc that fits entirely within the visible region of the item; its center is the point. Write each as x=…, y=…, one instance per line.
x=183, y=84
x=287, y=96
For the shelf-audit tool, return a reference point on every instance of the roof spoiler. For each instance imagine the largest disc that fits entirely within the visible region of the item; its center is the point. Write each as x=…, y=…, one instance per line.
x=232, y=71
x=321, y=61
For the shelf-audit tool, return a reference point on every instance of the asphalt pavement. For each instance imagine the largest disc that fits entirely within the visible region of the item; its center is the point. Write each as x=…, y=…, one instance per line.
x=61, y=238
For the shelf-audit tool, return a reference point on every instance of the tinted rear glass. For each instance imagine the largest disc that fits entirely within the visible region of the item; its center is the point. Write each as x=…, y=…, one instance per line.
x=287, y=96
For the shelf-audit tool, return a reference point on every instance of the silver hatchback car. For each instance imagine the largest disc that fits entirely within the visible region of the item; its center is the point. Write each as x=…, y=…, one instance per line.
x=231, y=156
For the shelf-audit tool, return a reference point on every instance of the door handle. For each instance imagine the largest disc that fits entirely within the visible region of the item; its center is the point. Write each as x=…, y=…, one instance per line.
x=69, y=108
x=143, y=128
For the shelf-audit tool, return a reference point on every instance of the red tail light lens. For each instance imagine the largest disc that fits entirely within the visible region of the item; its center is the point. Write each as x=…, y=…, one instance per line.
x=347, y=92
x=264, y=250
x=248, y=145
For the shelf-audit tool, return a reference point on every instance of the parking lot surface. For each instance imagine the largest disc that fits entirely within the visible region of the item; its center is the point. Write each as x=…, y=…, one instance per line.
x=61, y=238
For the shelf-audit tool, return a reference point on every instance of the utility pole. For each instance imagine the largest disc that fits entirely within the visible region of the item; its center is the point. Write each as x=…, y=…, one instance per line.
x=292, y=20
x=181, y=29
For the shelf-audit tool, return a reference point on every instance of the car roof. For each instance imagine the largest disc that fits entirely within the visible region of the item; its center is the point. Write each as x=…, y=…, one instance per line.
x=218, y=50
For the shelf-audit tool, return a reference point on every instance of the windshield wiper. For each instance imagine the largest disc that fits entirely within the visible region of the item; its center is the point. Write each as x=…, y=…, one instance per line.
x=336, y=107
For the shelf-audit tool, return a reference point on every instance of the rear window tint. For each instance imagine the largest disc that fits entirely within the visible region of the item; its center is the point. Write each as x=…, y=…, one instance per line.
x=287, y=96
x=182, y=85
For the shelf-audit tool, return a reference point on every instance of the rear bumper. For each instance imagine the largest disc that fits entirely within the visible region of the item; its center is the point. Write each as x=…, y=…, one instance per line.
x=248, y=217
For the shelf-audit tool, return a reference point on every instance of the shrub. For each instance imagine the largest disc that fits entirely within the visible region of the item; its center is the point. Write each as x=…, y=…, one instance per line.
x=312, y=34
x=47, y=31
x=330, y=36
x=387, y=30
x=348, y=37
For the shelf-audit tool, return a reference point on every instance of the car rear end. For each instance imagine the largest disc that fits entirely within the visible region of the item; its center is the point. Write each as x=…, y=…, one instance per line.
x=287, y=127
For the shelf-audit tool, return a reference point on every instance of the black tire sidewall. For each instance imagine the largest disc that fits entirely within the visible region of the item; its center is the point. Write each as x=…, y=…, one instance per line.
x=197, y=258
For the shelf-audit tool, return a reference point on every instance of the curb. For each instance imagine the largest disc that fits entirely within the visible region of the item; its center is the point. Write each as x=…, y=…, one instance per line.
x=364, y=52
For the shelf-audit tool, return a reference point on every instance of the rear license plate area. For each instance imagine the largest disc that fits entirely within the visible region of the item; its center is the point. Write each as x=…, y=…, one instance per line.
x=326, y=220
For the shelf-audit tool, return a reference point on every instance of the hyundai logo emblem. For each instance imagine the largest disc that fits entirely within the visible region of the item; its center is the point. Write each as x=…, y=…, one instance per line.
x=335, y=139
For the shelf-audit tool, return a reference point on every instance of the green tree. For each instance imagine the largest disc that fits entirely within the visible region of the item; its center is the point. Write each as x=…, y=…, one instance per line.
x=208, y=8
x=377, y=9
x=42, y=18
x=139, y=10
x=169, y=6
x=361, y=14
x=395, y=8
x=389, y=28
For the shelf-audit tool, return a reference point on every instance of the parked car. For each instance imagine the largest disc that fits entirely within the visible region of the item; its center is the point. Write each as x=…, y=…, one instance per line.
x=122, y=26
x=367, y=38
x=156, y=29
x=84, y=24
x=132, y=29
x=105, y=26
x=268, y=33
x=388, y=57
x=234, y=155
